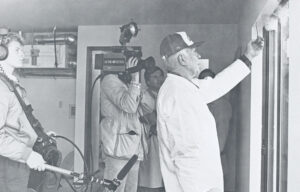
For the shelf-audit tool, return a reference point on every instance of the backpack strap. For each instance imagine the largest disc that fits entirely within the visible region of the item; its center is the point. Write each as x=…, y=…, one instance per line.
x=7, y=81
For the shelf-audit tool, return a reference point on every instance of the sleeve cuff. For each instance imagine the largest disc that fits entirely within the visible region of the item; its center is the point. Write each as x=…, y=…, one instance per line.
x=135, y=90
x=246, y=61
x=26, y=153
x=137, y=85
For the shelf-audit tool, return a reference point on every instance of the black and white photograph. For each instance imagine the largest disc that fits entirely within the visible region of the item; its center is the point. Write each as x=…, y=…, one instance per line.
x=149, y=96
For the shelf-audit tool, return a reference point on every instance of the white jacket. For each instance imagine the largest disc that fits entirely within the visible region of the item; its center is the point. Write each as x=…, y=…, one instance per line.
x=188, y=142
x=122, y=134
x=17, y=137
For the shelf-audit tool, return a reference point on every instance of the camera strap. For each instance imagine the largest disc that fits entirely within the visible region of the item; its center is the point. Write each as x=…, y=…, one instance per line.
x=26, y=108
x=12, y=87
x=7, y=82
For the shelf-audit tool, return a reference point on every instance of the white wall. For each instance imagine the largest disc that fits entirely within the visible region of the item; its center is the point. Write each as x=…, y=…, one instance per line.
x=294, y=99
x=51, y=98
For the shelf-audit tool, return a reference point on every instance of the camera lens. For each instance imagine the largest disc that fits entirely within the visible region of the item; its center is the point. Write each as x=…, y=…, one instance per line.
x=147, y=63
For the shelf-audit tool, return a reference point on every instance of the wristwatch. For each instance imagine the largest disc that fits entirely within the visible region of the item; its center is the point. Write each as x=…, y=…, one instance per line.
x=246, y=61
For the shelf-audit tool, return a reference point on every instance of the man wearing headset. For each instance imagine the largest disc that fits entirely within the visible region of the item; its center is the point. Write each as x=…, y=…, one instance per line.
x=17, y=137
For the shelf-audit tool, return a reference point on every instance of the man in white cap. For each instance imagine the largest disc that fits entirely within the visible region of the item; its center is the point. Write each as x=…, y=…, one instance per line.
x=188, y=142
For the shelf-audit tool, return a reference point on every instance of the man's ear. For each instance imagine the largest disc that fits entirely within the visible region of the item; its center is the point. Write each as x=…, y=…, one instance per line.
x=181, y=59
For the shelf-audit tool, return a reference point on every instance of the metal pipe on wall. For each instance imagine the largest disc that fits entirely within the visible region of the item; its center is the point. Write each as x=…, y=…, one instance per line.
x=59, y=38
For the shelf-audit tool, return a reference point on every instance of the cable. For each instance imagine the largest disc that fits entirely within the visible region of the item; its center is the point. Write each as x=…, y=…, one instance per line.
x=77, y=148
x=81, y=154
x=90, y=144
x=93, y=86
x=91, y=100
x=71, y=186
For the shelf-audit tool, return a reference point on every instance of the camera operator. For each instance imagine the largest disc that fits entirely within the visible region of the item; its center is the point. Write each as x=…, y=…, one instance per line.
x=17, y=136
x=122, y=134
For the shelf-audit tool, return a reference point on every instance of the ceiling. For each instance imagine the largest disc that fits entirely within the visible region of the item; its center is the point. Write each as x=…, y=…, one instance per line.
x=42, y=15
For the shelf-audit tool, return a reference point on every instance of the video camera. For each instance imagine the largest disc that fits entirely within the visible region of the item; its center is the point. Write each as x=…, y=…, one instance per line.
x=115, y=58
x=114, y=61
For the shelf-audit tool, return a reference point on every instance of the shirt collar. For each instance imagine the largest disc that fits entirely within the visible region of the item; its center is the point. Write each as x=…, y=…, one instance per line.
x=177, y=76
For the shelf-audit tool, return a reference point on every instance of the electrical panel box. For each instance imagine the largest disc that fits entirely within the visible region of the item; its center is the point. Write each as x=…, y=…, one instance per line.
x=43, y=56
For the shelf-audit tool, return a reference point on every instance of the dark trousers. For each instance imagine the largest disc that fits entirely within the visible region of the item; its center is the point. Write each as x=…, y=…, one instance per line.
x=13, y=175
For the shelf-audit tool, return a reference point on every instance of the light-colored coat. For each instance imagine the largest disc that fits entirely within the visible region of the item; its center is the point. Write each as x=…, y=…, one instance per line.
x=188, y=142
x=17, y=137
x=121, y=131
x=150, y=174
